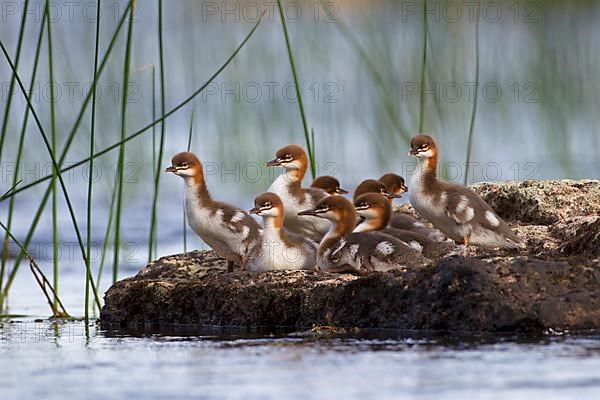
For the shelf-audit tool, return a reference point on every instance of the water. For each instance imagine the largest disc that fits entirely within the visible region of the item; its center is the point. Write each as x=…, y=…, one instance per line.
x=359, y=92
x=56, y=361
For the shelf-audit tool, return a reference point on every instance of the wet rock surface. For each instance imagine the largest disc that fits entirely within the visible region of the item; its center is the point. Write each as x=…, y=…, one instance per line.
x=553, y=285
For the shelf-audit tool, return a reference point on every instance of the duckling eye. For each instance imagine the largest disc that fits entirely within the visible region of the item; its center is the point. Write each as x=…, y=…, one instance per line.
x=287, y=157
x=267, y=204
x=424, y=148
x=364, y=205
x=323, y=208
x=184, y=165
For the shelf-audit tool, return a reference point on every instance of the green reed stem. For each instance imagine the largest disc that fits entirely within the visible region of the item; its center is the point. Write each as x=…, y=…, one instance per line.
x=11, y=87
x=18, y=159
x=189, y=146
x=55, y=165
x=474, y=110
x=155, y=250
x=63, y=156
x=158, y=172
x=423, y=66
x=53, y=144
x=121, y=161
x=113, y=197
x=311, y=154
x=88, y=270
x=150, y=125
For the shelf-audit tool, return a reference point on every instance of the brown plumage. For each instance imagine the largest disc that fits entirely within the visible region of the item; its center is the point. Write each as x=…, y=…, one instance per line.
x=341, y=250
x=377, y=211
x=329, y=184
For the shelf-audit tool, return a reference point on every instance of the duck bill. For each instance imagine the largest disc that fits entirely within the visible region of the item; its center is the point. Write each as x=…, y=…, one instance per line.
x=404, y=188
x=413, y=152
x=395, y=196
x=255, y=210
x=273, y=163
x=308, y=212
x=341, y=191
x=171, y=169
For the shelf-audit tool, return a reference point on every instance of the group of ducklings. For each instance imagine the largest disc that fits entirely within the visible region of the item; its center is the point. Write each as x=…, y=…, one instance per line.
x=317, y=228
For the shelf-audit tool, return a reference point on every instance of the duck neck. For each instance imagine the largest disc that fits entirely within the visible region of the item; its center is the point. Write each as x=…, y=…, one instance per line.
x=426, y=173
x=340, y=228
x=273, y=223
x=196, y=189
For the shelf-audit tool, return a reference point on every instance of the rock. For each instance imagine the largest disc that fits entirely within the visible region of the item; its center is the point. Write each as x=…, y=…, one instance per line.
x=553, y=285
x=542, y=202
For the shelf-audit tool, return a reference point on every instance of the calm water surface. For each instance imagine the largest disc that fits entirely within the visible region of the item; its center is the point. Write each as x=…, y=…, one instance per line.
x=57, y=361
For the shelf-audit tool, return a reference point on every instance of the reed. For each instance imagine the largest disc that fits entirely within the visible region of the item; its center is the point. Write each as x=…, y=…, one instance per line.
x=12, y=78
x=55, y=237
x=189, y=146
x=309, y=148
x=88, y=270
x=20, y=146
x=423, y=70
x=62, y=158
x=158, y=170
x=55, y=165
x=474, y=109
x=121, y=160
x=141, y=131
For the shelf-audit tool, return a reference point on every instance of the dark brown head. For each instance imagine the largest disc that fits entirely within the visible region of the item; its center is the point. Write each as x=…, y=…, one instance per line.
x=267, y=204
x=328, y=184
x=375, y=208
x=394, y=183
x=371, y=186
x=186, y=165
x=422, y=147
x=336, y=209
x=290, y=157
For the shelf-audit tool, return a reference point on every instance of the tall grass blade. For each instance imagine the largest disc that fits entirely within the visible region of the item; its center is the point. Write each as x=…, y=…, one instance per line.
x=311, y=154
x=121, y=161
x=53, y=144
x=150, y=125
x=474, y=110
x=158, y=172
x=54, y=162
x=423, y=67
x=88, y=269
x=20, y=146
x=63, y=156
x=11, y=86
x=189, y=146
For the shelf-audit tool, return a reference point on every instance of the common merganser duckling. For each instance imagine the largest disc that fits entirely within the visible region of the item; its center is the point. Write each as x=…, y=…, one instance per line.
x=279, y=249
x=454, y=209
x=395, y=184
x=344, y=251
x=288, y=186
x=377, y=211
x=329, y=184
x=372, y=186
x=228, y=230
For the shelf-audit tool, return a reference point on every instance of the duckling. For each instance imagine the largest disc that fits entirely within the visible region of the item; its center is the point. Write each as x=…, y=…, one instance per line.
x=288, y=187
x=329, y=184
x=376, y=211
x=394, y=183
x=373, y=186
x=454, y=209
x=399, y=220
x=279, y=249
x=228, y=230
x=343, y=251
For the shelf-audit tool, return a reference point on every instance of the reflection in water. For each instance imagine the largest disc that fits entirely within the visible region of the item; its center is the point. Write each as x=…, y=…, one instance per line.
x=57, y=359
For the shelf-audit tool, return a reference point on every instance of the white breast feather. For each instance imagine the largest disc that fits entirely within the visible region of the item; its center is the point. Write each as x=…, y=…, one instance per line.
x=492, y=219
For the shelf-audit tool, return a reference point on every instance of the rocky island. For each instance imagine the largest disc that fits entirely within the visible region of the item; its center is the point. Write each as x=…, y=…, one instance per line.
x=553, y=285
